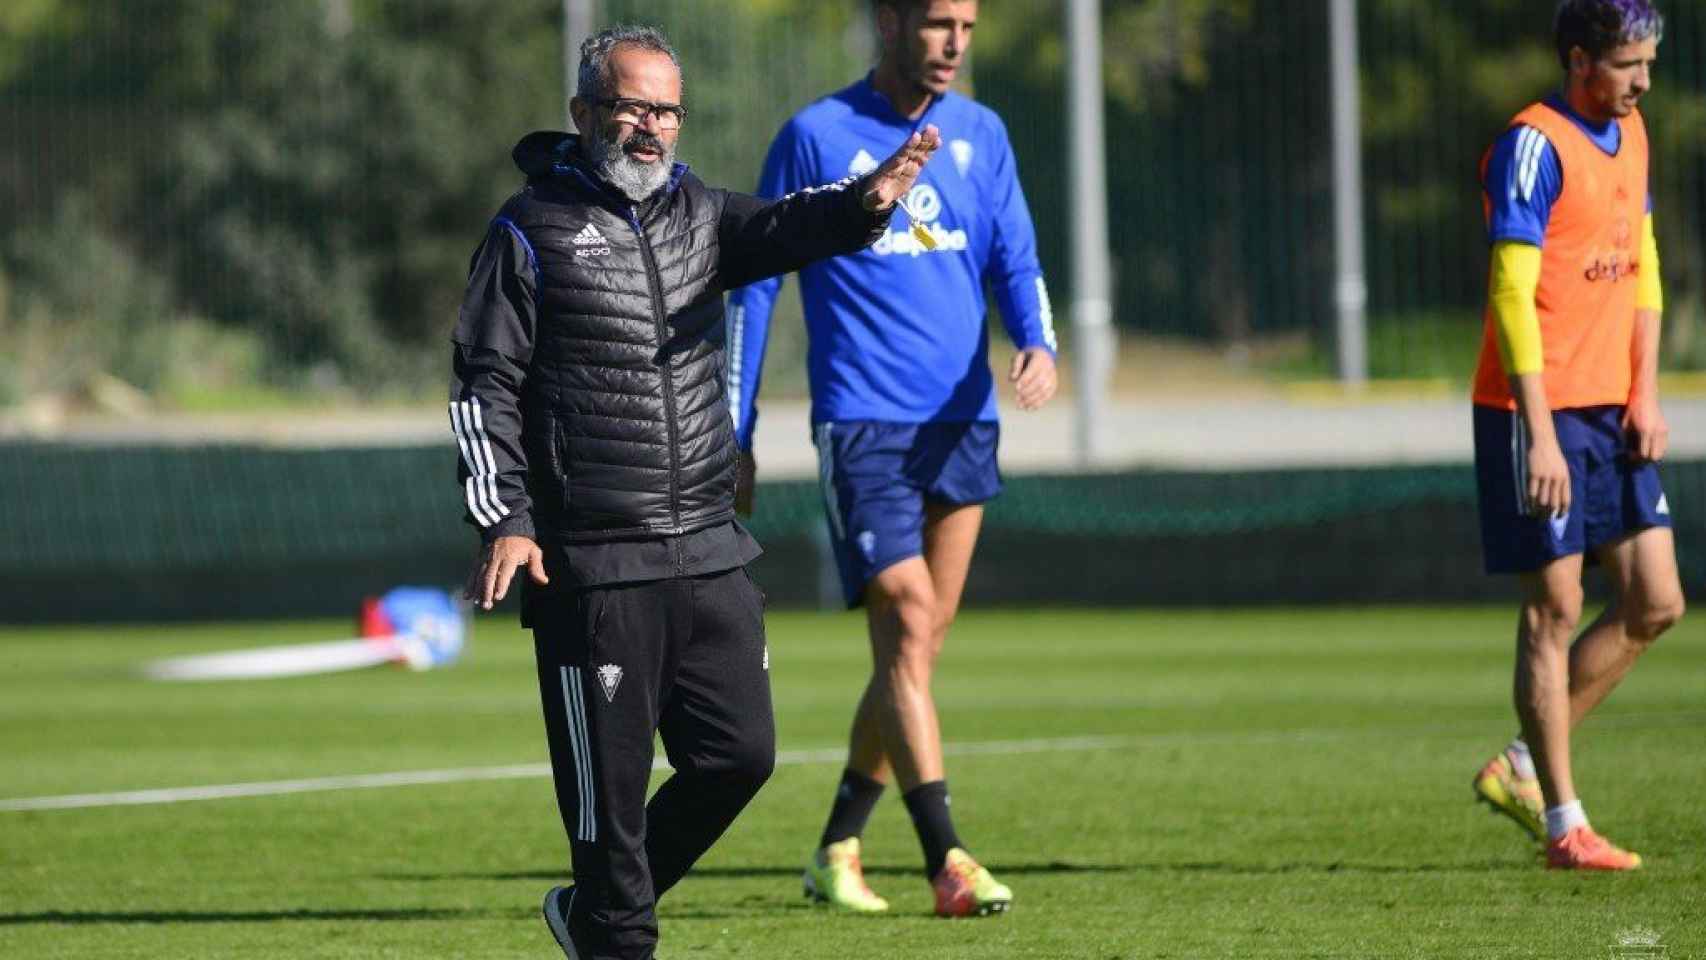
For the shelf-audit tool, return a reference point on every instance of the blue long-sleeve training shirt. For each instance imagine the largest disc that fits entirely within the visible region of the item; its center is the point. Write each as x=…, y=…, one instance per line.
x=897, y=332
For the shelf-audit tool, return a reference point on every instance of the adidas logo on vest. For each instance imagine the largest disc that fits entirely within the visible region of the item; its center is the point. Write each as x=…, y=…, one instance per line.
x=590, y=242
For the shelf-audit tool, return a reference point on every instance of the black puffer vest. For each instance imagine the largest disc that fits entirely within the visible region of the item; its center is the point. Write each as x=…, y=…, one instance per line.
x=625, y=420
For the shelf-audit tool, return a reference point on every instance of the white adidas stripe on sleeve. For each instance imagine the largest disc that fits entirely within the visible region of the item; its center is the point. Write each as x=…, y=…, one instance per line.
x=481, y=488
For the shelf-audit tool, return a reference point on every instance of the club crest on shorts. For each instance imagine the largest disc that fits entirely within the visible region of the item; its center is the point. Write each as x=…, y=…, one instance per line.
x=609, y=677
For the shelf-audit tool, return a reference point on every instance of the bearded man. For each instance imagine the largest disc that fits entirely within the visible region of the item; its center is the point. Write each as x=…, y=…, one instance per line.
x=598, y=454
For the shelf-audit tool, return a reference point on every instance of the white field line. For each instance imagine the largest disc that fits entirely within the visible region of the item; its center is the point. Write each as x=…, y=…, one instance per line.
x=525, y=771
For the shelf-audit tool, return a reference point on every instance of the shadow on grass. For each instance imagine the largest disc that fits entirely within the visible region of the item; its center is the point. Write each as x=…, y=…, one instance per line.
x=1214, y=867
x=79, y=918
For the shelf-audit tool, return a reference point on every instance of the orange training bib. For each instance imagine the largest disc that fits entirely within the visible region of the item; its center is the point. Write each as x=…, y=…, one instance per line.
x=1589, y=264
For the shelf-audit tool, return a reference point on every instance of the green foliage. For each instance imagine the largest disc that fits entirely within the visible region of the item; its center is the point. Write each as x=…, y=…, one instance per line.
x=1219, y=158
x=1684, y=334
x=341, y=195
x=1165, y=44
x=84, y=305
x=55, y=302
x=1441, y=346
x=310, y=177
x=1216, y=150
x=316, y=174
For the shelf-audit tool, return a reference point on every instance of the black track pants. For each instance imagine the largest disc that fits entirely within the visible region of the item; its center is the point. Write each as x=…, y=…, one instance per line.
x=685, y=658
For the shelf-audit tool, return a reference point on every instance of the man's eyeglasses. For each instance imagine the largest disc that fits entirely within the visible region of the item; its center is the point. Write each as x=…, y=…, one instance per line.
x=628, y=110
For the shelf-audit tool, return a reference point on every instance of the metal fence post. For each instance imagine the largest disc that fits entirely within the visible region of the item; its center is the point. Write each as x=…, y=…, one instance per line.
x=577, y=26
x=1350, y=286
x=1092, y=301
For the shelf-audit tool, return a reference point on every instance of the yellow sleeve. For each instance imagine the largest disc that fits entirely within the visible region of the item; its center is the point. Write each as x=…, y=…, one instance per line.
x=1649, y=289
x=1515, y=280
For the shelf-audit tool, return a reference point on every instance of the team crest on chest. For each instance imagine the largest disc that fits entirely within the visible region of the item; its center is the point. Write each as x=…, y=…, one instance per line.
x=963, y=152
x=609, y=678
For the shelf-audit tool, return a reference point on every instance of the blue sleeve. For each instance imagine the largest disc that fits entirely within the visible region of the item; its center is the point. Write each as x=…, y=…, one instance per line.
x=1522, y=182
x=750, y=306
x=1013, y=271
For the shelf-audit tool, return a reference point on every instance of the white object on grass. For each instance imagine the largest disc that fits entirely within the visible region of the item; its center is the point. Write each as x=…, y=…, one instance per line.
x=419, y=627
x=289, y=661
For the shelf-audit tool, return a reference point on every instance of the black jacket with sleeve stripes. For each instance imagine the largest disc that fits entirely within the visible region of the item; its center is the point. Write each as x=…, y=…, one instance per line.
x=588, y=396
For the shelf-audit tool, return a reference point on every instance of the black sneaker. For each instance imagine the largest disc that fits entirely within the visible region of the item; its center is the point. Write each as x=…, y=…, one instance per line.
x=558, y=903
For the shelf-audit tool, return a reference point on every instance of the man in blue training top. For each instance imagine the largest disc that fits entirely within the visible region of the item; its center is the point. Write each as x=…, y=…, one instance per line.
x=903, y=409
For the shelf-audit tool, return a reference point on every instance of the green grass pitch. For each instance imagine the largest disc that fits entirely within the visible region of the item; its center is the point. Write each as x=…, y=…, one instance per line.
x=1287, y=784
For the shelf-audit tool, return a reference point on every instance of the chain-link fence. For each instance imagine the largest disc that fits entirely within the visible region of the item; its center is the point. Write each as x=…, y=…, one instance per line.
x=231, y=204
x=216, y=200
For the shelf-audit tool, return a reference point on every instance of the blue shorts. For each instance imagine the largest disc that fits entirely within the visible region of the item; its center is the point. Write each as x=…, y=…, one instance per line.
x=876, y=478
x=1611, y=496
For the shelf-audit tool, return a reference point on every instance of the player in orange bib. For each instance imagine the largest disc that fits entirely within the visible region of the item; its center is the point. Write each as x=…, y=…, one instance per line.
x=1568, y=431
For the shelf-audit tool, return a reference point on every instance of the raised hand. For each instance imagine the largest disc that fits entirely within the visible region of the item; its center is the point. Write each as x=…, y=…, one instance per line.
x=889, y=182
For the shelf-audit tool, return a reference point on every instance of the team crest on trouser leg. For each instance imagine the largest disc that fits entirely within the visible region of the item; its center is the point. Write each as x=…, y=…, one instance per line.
x=609, y=677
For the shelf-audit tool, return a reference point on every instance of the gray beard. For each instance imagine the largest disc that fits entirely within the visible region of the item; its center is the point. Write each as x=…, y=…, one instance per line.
x=633, y=179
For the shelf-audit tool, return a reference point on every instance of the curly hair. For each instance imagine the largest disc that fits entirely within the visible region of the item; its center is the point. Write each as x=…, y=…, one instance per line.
x=1600, y=25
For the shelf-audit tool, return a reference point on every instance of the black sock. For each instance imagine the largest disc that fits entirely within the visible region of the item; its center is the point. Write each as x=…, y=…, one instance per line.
x=928, y=804
x=855, y=798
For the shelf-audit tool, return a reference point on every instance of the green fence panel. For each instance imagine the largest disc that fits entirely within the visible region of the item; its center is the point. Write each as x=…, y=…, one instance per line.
x=161, y=532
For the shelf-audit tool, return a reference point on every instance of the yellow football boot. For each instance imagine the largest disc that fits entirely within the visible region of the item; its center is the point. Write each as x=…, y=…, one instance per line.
x=1498, y=786
x=835, y=877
